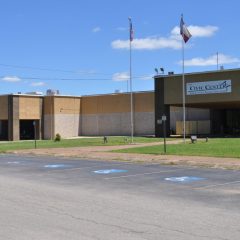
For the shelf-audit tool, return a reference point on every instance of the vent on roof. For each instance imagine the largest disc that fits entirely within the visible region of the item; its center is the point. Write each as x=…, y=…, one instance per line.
x=34, y=93
x=118, y=91
x=52, y=92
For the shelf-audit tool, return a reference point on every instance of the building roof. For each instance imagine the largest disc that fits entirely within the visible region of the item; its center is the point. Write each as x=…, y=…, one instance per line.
x=72, y=96
x=197, y=73
x=121, y=93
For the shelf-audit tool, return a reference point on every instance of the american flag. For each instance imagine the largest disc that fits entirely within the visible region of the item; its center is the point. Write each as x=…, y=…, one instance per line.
x=131, y=33
x=184, y=31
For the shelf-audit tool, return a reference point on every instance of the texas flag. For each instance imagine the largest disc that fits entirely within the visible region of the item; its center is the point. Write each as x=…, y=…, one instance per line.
x=131, y=32
x=184, y=31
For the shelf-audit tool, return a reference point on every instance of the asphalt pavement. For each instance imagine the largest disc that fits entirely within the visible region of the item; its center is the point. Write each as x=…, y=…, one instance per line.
x=61, y=198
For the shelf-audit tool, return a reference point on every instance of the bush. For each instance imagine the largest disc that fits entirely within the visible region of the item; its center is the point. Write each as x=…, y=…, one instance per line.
x=57, y=138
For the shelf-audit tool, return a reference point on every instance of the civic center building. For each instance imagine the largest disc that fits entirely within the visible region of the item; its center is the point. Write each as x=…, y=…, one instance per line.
x=212, y=108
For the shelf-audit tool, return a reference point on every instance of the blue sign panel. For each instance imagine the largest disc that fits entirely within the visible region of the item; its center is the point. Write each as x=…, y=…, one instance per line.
x=184, y=179
x=109, y=171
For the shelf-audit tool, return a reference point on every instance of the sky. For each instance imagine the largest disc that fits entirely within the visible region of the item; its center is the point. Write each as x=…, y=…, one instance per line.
x=82, y=47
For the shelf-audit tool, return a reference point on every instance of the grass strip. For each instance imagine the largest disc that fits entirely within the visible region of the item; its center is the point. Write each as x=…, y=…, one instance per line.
x=220, y=147
x=81, y=142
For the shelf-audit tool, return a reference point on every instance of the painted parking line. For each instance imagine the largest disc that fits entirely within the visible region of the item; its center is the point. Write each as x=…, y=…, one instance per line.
x=14, y=162
x=184, y=179
x=88, y=167
x=56, y=166
x=98, y=166
x=217, y=185
x=142, y=174
x=110, y=171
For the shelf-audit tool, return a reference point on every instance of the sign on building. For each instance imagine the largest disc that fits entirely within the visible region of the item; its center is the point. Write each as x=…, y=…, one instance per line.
x=222, y=86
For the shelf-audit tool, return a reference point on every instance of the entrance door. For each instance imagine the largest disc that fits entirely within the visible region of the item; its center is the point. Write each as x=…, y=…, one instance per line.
x=27, y=129
x=4, y=130
x=232, y=124
x=225, y=122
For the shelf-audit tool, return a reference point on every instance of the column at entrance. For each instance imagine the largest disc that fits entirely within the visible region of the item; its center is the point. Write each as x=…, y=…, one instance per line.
x=13, y=118
x=161, y=109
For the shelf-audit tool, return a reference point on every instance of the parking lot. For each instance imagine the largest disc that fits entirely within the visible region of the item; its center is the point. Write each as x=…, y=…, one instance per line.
x=61, y=198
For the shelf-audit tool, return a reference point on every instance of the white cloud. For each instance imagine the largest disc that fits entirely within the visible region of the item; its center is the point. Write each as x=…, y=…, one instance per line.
x=211, y=61
x=11, y=79
x=173, y=41
x=37, y=84
x=96, y=29
x=197, y=31
x=147, y=43
x=123, y=76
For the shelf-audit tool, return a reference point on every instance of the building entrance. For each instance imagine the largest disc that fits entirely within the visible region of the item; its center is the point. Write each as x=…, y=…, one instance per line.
x=27, y=130
x=4, y=130
x=226, y=122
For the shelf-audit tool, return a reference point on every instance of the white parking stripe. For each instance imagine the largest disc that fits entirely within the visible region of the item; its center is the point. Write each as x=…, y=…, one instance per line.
x=93, y=166
x=218, y=185
x=141, y=174
x=69, y=169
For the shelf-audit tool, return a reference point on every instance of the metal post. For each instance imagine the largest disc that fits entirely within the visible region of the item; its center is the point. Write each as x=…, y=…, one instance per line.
x=164, y=118
x=131, y=93
x=183, y=93
x=130, y=75
x=35, y=134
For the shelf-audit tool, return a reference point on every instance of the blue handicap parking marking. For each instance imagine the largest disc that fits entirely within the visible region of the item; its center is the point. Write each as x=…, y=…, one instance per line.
x=184, y=179
x=53, y=166
x=110, y=171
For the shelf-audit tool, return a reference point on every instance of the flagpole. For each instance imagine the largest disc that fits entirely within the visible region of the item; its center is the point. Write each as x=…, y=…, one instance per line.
x=130, y=75
x=183, y=92
x=186, y=35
